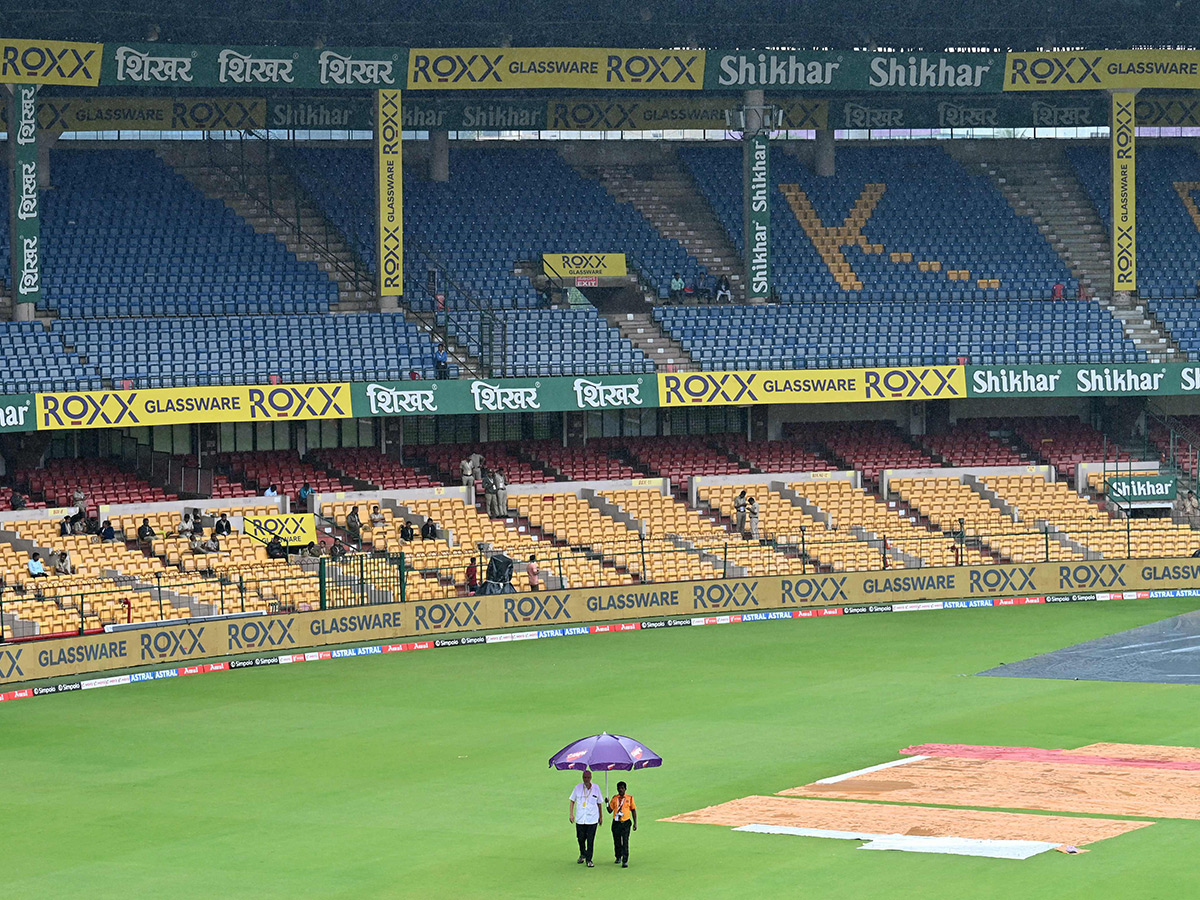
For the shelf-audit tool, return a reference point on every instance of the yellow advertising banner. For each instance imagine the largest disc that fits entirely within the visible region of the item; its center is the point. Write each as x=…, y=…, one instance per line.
x=59, y=114
x=811, y=386
x=181, y=406
x=575, y=265
x=474, y=68
x=657, y=113
x=1124, y=195
x=50, y=62
x=1100, y=70
x=556, y=613
x=390, y=185
x=294, y=529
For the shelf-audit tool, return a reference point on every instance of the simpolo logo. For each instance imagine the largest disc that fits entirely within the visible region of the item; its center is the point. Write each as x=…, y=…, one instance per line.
x=86, y=409
x=175, y=642
x=664, y=69
x=994, y=580
x=295, y=402
x=611, y=116
x=453, y=68
x=1053, y=69
x=550, y=608
x=817, y=589
x=908, y=383
x=1091, y=576
x=729, y=387
x=254, y=634
x=719, y=595
x=36, y=61
x=441, y=616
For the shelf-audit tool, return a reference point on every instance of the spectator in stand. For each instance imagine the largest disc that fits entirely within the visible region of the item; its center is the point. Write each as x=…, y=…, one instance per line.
x=196, y=543
x=213, y=544
x=472, y=576
x=275, y=548
x=534, y=571
x=739, y=509
x=354, y=526
x=17, y=501
x=64, y=527
x=305, y=493
x=63, y=565
x=676, y=288
x=429, y=529
x=378, y=520
x=406, y=531
x=752, y=513
x=187, y=527
x=108, y=533
x=1189, y=507
x=724, y=291
x=79, y=499
x=489, y=493
x=79, y=524
x=467, y=468
x=501, y=485
x=146, y=534
x=476, y=459
x=312, y=551
x=271, y=491
x=441, y=363
x=222, y=527
x=36, y=567
x=337, y=551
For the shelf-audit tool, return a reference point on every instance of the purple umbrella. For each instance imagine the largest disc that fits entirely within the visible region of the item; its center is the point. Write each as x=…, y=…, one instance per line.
x=605, y=752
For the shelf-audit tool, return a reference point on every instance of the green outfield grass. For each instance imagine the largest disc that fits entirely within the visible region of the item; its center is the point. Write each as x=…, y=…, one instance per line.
x=424, y=774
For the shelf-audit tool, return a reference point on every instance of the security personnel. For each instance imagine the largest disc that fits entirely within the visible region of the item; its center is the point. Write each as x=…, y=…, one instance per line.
x=624, y=815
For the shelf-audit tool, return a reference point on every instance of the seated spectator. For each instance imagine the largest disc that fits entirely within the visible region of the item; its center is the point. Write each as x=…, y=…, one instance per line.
x=222, y=526
x=63, y=565
x=80, y=525
x=213, y=544
x=108, y=533
x=64, y=527
x=271, y=491
x=305, y=493
x=196, y=543
x=407, y=532
x=676, y=288
x=724, y=290
x=377, y=518
x=17, y=501
x=354, y=525
x=79, y=498
x=429, y=530
x=275, y=548
x=337, y=551
x=187, y=527
x=146, y=534
x=36, y=568
x=312, y=551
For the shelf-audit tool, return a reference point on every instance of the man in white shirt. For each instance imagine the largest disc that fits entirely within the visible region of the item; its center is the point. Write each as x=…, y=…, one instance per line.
x=586, y=804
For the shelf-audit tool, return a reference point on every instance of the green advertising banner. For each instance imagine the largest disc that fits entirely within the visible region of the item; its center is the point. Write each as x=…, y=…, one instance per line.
x=17, y=413
x=996, y=111
x=853, y=71
x=1131, y=380
x=25, y=248
x=209, y=66
x=470, y=396
x=1135, y=489
x=422, y=113
x=756, y=177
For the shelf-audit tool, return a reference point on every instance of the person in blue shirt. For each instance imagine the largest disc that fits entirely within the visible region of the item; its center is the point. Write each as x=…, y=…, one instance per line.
x=36, y=567
x=441, y=362
x=305, y=493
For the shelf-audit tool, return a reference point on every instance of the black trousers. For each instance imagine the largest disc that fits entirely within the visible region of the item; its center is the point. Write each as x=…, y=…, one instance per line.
x=586, y=835
x=620, y=832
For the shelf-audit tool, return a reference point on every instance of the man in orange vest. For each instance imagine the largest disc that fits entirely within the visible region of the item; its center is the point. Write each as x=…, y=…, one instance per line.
x=624, y=815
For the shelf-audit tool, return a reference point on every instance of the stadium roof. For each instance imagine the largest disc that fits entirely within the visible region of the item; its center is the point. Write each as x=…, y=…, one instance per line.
x=840, y=24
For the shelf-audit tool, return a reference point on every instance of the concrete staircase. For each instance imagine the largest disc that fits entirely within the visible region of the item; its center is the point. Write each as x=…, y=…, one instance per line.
x=1039, y=183
x=641, y=329
x=276, y=205
x=665, y=194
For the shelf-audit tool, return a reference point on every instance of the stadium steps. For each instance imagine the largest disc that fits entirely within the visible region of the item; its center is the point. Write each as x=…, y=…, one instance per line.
x=640, y=328
x=256, y=195
x=1041, y=184
x=665, y=194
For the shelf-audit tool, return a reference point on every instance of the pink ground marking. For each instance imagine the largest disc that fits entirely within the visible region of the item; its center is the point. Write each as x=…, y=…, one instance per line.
x=1037, y=754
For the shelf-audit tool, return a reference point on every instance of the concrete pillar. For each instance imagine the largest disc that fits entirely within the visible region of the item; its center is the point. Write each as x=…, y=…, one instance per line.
x=824, y=164
x=439, y=160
